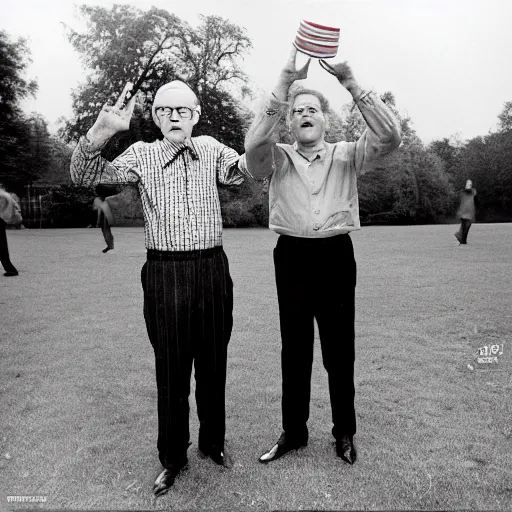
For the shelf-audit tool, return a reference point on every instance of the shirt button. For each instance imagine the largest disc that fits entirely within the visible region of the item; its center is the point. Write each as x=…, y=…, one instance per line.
x=316, y=210
x=316, y=226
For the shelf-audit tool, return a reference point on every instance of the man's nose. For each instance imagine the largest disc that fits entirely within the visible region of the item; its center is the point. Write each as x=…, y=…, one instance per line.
x=175, y=116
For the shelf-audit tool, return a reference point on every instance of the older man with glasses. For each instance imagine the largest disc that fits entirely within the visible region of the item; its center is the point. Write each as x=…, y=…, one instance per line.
x=188, y=291
x=313, y=207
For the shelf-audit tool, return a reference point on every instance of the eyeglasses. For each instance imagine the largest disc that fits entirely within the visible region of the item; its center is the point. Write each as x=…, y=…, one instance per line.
x=183, y=112
x=309, y=110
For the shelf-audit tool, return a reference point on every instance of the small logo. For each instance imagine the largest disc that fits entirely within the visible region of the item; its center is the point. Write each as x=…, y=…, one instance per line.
x=488, y=356
x=26, y=499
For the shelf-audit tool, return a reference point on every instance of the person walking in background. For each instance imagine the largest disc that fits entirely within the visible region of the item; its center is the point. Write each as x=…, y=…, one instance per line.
x=9, y=214
x=466, y=212
x=313, y=206
x=104, y=219
x=188, y=291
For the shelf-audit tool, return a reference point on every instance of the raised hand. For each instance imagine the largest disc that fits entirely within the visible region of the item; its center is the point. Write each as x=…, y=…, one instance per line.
x=290, y=71
x=343, y=72
x=113, y=118
x=289, y=74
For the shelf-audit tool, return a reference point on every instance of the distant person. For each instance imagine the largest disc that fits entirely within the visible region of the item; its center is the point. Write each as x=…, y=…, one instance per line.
x=188, y=291
x=466, y=212
x=313, y=207
x=9, y=214
x=104, y=219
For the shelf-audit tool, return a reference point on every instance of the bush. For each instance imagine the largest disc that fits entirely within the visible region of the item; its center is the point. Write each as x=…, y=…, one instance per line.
x=245, y=206
x=71, y=207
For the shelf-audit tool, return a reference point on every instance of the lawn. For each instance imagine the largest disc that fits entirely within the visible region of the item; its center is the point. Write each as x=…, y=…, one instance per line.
x=78, y=392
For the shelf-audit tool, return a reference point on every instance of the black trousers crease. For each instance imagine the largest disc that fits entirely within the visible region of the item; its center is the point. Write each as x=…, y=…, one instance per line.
x=316, y=279
x=188, y=309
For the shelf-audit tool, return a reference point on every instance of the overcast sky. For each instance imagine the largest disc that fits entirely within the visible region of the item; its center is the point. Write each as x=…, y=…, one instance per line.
x=448, y=63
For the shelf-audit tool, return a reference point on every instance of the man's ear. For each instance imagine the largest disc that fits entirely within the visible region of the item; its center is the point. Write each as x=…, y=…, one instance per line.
x=196, y=115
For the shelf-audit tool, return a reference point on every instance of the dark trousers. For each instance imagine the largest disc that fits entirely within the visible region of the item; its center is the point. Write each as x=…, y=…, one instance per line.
x=188, y=308
x=4, y=249
x=105, y=229
x=316, y=279
x=465, y=224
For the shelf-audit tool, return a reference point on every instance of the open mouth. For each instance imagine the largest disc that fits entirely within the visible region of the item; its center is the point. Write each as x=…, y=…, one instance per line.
x=175, y=128
x=306, y=124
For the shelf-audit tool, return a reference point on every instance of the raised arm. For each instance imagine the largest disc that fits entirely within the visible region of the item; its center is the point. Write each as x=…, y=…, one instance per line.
x=87, y=164
x=260, y=150
x=383, y=132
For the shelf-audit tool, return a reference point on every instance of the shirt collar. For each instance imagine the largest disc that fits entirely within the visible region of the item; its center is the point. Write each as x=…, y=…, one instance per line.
x=318, y=154
x=172, y=150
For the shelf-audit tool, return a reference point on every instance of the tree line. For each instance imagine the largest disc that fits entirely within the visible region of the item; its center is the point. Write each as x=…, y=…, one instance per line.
x=416, y=184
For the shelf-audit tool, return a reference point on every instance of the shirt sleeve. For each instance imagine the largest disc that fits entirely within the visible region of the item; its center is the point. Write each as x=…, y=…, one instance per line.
x=262, y=155
x=9, y=209
x=230, y=171
x=382, y=134
x=88, y=167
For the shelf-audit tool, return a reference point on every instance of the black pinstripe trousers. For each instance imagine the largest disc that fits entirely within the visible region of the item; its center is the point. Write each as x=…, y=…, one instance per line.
x=188, y=308
x=316, y=279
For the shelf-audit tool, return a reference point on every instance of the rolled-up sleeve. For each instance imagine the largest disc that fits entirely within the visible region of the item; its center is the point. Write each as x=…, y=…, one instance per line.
x=260, y=149
x=382, y=134
x=88, y=167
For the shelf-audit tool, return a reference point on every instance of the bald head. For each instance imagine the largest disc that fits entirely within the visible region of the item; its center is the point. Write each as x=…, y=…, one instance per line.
x=176, y=111
x=175, y=94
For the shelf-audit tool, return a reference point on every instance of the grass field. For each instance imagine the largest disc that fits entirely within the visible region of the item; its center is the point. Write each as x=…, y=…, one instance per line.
x=78, y=393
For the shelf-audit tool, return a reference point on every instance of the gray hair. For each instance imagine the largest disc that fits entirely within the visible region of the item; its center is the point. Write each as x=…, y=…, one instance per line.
x=299, y=91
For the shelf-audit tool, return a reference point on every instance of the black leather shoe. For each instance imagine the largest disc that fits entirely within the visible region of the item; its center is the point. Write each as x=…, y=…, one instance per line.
x=220, y=457
x=11, y=273
x=165, y=480
x=282, y=447
x=346, y=449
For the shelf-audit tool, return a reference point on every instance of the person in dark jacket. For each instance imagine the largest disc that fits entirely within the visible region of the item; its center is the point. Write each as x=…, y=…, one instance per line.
x=9, y=214
x=466, y=212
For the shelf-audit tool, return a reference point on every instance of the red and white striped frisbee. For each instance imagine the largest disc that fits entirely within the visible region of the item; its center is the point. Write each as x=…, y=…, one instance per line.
x=317, y=40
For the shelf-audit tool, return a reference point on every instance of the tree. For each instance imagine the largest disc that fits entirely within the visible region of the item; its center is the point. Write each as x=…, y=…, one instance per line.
x=151, y=48
x=353, y=124
x=57, y=172
x=14, y=130
x=505, y=123
x=14, y=59
x=487, y=161
x=37, y=147
x=447, y=151
x=409, y=185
